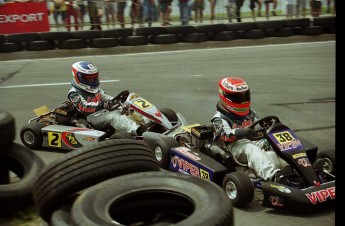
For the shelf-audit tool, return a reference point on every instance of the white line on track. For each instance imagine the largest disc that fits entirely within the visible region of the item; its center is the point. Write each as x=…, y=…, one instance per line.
x=174, y=51
x=47, y=84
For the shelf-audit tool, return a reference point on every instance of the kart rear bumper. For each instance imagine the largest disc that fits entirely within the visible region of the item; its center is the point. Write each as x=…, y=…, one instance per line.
x=279, y=196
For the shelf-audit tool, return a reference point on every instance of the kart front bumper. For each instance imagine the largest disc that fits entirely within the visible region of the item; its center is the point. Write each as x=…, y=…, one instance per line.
x=279, y=196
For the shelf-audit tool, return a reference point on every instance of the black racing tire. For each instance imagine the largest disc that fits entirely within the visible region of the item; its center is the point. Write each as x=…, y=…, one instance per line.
x=280, y=32
x=10, y=47
x=162, y=152
x=62, y=215
x=243, y=26
x=239, y=188
x=2, y=39
x=7, y=128
x=329, y=157
x=309, y=31
x=164, y=39
x=31, y=135
x=104, y=42
x=269, y=24
x=170, y=114
x=23, y=37
x=26, y=165
x=253, y=34
x=180, y=29
x=86, y=35
x=224, y=36
x=134, y=40
x=297, y=22
x=153, y=198
x=194, y=37
x=88, y=166
x=209, y=28
x=55, y=35
x=148, y=31
x=121, y=135
x=72, y=44
x=40, y=45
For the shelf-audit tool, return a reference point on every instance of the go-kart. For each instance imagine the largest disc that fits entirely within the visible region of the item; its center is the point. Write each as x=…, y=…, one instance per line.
x=305, y=181
x=65, y=129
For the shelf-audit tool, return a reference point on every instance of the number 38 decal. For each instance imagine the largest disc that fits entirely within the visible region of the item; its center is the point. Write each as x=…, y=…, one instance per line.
x=283, y=137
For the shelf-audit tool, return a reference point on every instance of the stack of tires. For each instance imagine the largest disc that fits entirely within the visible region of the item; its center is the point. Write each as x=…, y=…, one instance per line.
x=119, y=182
x=19, y=168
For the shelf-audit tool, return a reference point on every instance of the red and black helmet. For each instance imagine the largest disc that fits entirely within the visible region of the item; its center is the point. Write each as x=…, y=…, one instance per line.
x=234, y=94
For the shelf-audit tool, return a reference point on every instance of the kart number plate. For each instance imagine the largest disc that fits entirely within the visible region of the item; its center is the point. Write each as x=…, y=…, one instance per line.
x=54, y=139
x=286, y=140
x=142, y=104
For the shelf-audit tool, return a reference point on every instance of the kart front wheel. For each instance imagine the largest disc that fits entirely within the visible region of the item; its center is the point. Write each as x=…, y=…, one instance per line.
x=31, y=135
x=239, y=188
x=162, y=150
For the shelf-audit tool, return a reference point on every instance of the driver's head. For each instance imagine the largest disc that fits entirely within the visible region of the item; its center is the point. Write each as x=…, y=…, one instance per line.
x=85, y=76
x=234, y=94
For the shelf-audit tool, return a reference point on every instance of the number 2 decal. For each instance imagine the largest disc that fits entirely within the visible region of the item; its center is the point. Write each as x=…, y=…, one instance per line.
x=54, y=139
x=142, y=103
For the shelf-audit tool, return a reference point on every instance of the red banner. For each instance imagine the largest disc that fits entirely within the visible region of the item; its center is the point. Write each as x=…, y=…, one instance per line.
x=24, y=17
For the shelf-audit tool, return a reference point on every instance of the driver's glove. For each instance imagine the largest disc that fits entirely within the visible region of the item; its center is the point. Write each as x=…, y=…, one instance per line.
x=244, y=132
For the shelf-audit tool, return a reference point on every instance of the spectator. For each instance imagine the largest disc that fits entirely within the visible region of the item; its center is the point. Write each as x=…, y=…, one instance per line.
x=183, y=6
x=164, y=11
x=72, y=11
x=252, y=8
x=289, y=9
x=121, y=5
x=267, y=5
x=150, y=11
x=59, y=9
x=230, y=6
x=239, y=4
x=82, y=12
x=110, y=12
x=315, y=6
x=95, y=14
x=198, y=10
x=230, y=123
x=135, y=12
x=301, y=5
x=213, y=9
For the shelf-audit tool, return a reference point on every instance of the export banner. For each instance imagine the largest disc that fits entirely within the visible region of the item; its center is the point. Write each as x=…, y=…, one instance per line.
x=24, y=17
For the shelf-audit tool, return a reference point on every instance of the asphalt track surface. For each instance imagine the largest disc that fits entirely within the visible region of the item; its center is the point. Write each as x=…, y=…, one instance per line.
x=293, y=78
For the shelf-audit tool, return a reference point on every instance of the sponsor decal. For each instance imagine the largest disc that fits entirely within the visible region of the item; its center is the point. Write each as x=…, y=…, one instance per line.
x=185, y=167
x=91, y=139
x=322, y=195
x=296, y=156
x=285, y=141
x=303, y=162
x=281, y=188
x=70, y=140
x=186, y=152
x=276, y=201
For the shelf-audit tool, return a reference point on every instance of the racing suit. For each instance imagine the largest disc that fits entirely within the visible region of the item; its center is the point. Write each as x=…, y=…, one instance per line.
x=92, y=106
x=229, y=128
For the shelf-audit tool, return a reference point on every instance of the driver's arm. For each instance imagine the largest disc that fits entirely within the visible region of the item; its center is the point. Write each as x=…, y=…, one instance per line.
x=84, y=106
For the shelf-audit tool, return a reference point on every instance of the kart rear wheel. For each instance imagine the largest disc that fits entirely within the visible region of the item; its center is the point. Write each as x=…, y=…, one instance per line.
x=31, y=135
x=328, y=156
x=162, y=150
x=239, y=188
x=171, y=116
x=121, y=135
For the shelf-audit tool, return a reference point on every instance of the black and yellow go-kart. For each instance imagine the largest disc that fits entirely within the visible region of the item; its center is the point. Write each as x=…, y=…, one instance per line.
x=307, y=178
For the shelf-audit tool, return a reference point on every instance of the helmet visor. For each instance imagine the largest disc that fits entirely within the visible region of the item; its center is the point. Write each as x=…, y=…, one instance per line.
x=238, y=97
x=90, y=80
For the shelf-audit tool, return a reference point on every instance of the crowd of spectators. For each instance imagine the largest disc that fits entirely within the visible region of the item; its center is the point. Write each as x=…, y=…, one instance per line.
x=70, y=14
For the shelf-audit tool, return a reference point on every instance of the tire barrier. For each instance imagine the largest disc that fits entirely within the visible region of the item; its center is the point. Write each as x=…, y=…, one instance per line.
x=166, y=35
x=88, y=166
x=148, y=198
x=19, y=167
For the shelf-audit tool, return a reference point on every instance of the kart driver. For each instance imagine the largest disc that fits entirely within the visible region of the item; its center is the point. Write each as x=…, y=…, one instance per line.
x=92, y=102
x=230, y=123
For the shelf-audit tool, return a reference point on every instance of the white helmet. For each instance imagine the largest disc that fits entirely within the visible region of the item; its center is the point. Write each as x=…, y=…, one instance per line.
x=85, y=76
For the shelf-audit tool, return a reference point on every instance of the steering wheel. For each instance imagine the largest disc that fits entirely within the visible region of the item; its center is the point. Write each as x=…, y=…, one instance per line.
x=118, y=99
x=262, y=125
